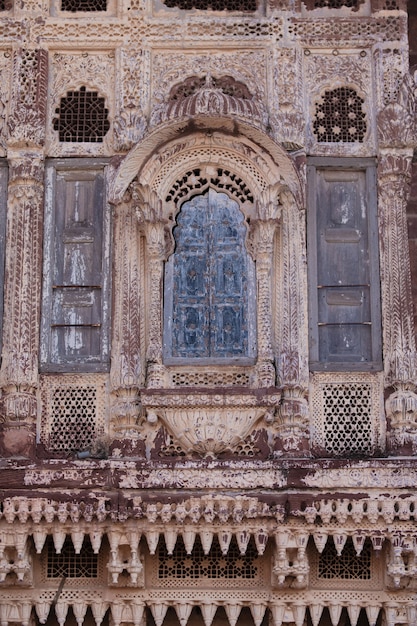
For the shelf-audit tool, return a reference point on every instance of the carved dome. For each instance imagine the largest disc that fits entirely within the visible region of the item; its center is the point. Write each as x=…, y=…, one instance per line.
x=212, y=98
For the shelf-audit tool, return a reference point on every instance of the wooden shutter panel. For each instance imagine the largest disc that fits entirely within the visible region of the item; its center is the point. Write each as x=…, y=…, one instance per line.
x=76, y=307
x=344, y=293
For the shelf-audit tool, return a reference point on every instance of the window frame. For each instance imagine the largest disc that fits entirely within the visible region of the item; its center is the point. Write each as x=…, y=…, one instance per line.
x=368, y=166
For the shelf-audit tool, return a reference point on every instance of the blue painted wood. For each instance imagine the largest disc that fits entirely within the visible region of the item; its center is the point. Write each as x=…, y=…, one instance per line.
x=209, y=317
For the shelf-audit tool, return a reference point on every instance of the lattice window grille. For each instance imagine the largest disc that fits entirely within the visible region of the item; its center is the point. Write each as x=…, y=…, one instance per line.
x=82, y=117
x=6, y=5
x=339, y=117
x=347, y=566
x=336, y=4
x=83, y=5
x=68, y=564
x=210, y=379
x=73, y=419
x=214, y=5
x=204, y=155
x=213, y=566
x=75, y=408
x=170, y=448
x=224, y=180
x=348, y=418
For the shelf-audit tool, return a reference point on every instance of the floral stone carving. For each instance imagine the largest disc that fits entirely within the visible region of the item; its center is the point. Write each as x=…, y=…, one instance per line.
x=209, y=424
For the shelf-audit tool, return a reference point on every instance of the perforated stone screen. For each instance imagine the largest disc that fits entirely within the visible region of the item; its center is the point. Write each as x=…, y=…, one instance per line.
x=335, y=4
x=68, y=564
x=75, y=409
x=74, y=412
x=210, y=379
x=348, y=418
x=339, y=117
x=347, y=566
x=83, y=5
x=214, y=5
x=199, y=569
x=82, y=117
x=347, y=413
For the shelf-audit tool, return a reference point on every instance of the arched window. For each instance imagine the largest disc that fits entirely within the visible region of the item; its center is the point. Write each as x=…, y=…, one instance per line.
x=82, y=117
x=209, y=284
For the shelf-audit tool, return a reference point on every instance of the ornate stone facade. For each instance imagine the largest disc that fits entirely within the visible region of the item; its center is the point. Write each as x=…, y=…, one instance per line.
x=273, y=485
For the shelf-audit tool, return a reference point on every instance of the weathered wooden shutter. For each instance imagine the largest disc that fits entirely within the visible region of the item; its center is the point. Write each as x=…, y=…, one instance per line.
x=76, y=289
x=343, y=272
x=209, y=299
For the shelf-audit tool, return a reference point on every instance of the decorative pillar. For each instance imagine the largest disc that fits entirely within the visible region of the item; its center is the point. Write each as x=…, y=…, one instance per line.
x=22, y=290
x=128, y=363
x=262, y=242
x=293, y=376
x=397, y=137
x=158, y=241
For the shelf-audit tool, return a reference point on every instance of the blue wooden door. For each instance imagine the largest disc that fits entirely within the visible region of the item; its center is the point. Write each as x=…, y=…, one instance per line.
x=208, y=274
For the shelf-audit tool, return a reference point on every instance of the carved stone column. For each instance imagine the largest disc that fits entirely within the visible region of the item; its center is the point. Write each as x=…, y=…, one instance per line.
x=293, y=374
x=397, y=137
x=22, y=291
x=155, y=229
x=262, y=240
x=19, y=370
x=128, y=363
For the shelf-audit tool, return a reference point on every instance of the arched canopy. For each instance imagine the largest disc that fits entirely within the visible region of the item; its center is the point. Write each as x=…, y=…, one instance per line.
x=208, y=148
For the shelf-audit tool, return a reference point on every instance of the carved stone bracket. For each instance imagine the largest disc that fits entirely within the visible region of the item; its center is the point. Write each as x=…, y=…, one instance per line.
x=290, y=564
x=209, y=424
x=293, y=423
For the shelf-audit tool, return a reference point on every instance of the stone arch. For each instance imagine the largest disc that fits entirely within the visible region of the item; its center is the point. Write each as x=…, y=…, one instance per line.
x=172, y=149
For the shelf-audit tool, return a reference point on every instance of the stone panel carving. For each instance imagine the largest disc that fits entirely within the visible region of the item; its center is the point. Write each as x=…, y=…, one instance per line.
x=286, y=106
x=5, y=74
x=344, y=31
x=156, y=31
x=392, y=64
x=72, y=71
x=130, y=123
x=30, y=83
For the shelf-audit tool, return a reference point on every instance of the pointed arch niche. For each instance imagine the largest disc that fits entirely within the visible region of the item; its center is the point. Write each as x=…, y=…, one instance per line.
x=255, y=179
